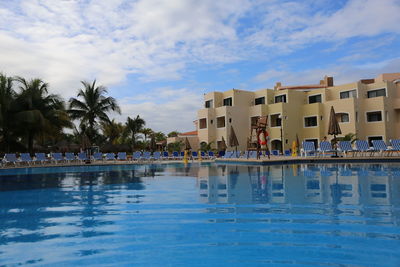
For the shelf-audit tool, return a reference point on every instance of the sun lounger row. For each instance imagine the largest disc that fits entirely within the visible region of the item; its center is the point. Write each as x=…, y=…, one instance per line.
x=68, y=157
x=361, y=148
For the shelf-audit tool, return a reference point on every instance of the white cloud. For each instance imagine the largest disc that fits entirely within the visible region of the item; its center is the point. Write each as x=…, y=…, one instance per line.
x=165, y=109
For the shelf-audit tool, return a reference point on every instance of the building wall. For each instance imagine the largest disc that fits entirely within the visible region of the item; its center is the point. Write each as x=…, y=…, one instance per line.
x=297, y=108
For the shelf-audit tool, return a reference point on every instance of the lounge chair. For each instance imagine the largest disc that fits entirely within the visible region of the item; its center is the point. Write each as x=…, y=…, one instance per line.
x=345, y=147
x=57, y=157
x=275, y=152
x=236, y=154
x=98, y=156
x=211, y=155
x=136, y=155
x=121, y=156
x=228, y=154
x=363, y=147
x=82, y=157
x=325, y=147
x=204, y=155
x=308, y=148
x=175, y=155
x=26, y=158
x=69, y=156
x=381, y=147
x=395, y=145
x=157, y=155
x=195, y=155
x=110, y=156
x=41, y=158
x=165, y=155
x=253, y=154
x=182, y=154
x=10, y=158
x=245, y=154
x=288, y=153
x=146, y=155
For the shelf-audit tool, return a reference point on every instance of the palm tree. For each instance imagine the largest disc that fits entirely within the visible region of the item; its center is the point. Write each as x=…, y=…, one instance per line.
x=7, y=110
x=173, y=134
x=146, y=132
x=112, y=131
x=39, y=114
x=133, y=127
x=92, y=107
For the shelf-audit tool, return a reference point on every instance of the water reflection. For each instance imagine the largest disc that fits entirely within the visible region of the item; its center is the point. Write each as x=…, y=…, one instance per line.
x=350, y=184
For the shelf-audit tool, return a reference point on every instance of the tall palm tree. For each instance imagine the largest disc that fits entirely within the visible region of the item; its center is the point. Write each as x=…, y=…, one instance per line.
x=7, y=111
x=133, y=127
x=40, y=113
x=91, y=107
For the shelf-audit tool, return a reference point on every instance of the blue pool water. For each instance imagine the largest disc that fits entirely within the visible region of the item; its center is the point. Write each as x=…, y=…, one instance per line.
x=201, y=215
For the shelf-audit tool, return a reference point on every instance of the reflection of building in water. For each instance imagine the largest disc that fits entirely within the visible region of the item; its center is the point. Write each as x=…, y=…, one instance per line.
x=332, y=184
x=232, y=184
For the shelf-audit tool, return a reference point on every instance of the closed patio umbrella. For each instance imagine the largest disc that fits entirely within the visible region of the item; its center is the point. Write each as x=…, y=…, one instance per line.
x=233, y=141
x=187, y=144
x=222, y=145
x=334, y=128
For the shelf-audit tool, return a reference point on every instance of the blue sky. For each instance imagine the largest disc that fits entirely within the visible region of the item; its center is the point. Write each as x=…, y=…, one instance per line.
x=158, y=58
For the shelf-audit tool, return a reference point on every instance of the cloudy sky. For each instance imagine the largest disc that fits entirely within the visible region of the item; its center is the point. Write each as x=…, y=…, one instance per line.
x=158, y=58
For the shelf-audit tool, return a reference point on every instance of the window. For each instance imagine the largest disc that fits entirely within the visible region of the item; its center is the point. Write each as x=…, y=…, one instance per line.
x=374, y=116
x=259, y=101
x=314, y=99
x=203, y=123
x=275, y=120
x=228, y=101
x=280, y=99
x=348, y=94
x=253, y=120
x=376, y=93
x=310, y=121
x=342, y=117
x=221, y=122
x=209, y=104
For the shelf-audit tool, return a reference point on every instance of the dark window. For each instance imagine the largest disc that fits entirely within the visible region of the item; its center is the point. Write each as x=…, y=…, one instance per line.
x=230, y=120
x=276, y=121
x=253, y=120
x=221, y=122
x=209, y=104
x=260, y=101
x=310, y=121
x=228, y=101
x=280, y=99
x=342, y=117
x=376, y=93
x=203, y=123
x=348, y=94
x=374, y=116
x=314, y=99
x=211, y=121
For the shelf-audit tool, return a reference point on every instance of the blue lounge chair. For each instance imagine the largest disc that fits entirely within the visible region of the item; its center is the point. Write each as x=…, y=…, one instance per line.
x=381, y=147
x=204, y=155
x=121, y=156
x=69, y=157
x=41, y=158
x=236, y=154
x=245, y=154
x=275, y=152
x=308, y=148
x=136, y=155
x=165, y=155
x=345, y=147
x=157, y=155
x=288, y=153
x=98, y=156
x=10, y=158
x=110, y=156
x=182, y=154
x=175, y=155
x=146, y=155
x=211, y=155
x=195, y=155
x=253, y=154
x=395, y=145
x=325, y=147
x=228, y=154
x=82, y=157
x=362, y=147
x=26, y=158
x=57, y=157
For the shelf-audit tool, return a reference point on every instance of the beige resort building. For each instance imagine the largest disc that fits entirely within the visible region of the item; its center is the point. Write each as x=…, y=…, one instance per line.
x=370, y=108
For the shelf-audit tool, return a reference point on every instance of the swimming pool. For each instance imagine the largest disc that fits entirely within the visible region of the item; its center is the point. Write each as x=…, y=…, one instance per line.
x=201, y=215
